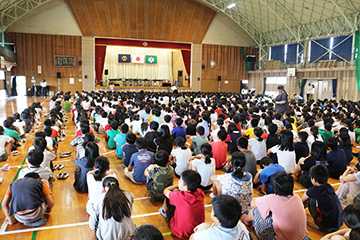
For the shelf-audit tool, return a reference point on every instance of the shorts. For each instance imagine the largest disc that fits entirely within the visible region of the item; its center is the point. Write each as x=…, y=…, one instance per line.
x=32, y=216
x=171, y=210
x=4, y=156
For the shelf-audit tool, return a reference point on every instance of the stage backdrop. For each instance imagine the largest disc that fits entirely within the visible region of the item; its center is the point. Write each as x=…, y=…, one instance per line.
x=161, y=70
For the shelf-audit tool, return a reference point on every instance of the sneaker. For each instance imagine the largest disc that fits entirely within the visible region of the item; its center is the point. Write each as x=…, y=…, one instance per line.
x=15, y=153
x=212, y=195
x=59, y=176
x=61, y=139
x=162, y=212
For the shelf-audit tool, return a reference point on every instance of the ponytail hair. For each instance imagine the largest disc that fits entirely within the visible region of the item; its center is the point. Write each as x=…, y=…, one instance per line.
x=101, y=166
x=115, y=203
x=315, y=131
x=238, y=161
x=258, y=132
x=206, y=150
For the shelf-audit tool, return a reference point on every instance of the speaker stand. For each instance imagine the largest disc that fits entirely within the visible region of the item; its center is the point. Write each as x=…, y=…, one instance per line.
x=219, y=86
x=58, y=84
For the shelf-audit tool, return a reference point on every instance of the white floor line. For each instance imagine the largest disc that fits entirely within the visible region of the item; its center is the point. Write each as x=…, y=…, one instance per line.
x=72, y=224
x=4, y=226
x=108, y=152
x=44, y=228
x=141, y=198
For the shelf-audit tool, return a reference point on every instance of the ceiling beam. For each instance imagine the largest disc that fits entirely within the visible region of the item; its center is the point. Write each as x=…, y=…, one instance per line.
x=344, y=16
x=17, y=10
x=297, y=38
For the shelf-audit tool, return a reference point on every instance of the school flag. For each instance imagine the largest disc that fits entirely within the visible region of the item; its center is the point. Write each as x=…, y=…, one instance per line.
x=124, y=58
x=138, y=58
x=151, y=59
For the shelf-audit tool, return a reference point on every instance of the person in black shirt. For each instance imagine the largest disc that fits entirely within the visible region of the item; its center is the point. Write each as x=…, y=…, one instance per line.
x=323, y=203
x=272, y=139
x=152, y=135
x=139, y=97
x=301, y=148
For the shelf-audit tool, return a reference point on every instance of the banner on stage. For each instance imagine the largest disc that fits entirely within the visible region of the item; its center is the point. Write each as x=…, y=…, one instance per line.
x=138, y=58
x=151, y=59
x=124, y=58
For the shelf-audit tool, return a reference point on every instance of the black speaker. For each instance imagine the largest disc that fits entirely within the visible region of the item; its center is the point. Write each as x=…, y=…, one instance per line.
x=203, y=66
x=79, y=62
x=106, y=72
x=180, y=73
x=58, y=74
x=219, y=78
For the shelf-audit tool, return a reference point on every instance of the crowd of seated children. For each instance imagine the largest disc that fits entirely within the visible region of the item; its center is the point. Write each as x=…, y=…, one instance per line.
x=216, y=122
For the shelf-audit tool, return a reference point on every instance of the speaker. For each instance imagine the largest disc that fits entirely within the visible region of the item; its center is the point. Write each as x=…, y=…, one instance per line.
x=79, y=62
x=203, y=66
x=58, y=74
x=219, y=78
x=180, y=73
x=106, y=72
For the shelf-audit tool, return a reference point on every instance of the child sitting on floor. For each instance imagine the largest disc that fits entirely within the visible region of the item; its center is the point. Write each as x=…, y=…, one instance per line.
x=226, y=214
x=26, y=201
x=128, y=148
x=159, y=176
x=323, y=203
x=237, y=184
x=184, y=204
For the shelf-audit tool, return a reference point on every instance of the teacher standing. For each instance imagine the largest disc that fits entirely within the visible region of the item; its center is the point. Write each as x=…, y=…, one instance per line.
x=43, y=85
x=281, y=101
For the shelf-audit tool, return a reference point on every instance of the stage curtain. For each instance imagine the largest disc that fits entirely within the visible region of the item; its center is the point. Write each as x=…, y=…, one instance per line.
x=187, y=60
x=100, y=52
x=264, y=89
x=334, y=86
x=161, y=70
x=302, y=86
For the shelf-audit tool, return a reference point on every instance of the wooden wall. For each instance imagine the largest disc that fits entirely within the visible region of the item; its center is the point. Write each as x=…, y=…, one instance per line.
x=170, y=20
x=230, y=65
x=40, y=49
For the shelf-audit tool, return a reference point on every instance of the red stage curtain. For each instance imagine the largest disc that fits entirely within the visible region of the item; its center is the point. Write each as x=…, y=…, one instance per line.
x=100, y=52
x=187, y=60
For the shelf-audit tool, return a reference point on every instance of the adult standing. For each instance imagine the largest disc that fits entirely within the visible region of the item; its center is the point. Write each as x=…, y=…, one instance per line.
x=43, y=85
x=308, y=91
x=312, y=93
x=139, y=97
x=281, y=101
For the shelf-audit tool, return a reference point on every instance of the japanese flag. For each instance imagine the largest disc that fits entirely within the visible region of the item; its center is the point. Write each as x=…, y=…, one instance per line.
x=138, y=58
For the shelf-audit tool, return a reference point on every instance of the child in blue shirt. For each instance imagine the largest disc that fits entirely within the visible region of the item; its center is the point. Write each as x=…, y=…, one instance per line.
x=120, y=139
x=179, y=131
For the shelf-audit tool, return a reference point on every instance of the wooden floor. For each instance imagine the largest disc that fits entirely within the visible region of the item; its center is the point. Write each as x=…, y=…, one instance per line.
x=68, y=220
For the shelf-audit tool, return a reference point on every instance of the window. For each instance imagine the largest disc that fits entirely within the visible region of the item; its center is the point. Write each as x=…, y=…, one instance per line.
x=276, y=80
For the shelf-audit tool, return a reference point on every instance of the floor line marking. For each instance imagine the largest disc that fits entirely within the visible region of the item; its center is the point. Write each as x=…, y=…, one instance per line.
x=3, y=226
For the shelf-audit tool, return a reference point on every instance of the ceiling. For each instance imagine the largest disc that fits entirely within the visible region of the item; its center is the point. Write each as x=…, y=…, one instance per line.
x=271, y=22
x=268, y=22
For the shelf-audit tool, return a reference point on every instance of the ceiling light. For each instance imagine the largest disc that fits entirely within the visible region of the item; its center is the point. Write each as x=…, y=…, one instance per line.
x=231, y=5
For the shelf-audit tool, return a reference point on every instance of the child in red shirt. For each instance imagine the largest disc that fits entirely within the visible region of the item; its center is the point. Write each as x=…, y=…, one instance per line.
x=219, y=149
x=184, y=204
